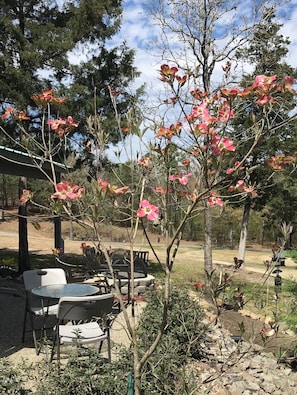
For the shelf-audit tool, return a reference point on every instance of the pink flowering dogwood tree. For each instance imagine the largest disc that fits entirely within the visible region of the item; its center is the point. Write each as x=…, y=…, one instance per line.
x=186, y=167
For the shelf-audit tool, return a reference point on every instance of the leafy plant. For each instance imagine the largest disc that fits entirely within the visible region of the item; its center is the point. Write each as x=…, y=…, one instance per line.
x=185, y=331
x=13, y=379
x=86, y=377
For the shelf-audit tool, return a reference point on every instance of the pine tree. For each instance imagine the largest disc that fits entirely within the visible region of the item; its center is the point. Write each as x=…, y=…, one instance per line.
x=265, y=51
x=36, y=40
x=37, y=37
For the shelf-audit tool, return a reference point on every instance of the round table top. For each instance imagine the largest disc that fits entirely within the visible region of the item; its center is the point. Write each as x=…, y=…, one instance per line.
x=57, y=291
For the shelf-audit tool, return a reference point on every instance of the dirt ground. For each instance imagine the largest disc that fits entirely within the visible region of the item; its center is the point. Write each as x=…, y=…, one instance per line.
x=41, y=241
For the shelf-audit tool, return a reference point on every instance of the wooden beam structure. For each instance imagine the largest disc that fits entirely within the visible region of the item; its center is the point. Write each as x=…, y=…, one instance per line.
x=22, y=164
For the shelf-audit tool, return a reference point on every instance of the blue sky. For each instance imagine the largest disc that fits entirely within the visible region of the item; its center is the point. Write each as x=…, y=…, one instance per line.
x=138, y=30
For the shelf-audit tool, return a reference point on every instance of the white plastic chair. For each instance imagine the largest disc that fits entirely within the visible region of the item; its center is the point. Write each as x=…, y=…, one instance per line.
x=35, y=306
x=92, y=317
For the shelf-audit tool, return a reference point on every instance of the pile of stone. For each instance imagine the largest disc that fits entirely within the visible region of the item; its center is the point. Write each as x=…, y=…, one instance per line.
x=233, y=366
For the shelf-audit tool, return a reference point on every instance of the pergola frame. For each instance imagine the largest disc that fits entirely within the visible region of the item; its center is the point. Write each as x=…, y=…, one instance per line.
x=22, y=164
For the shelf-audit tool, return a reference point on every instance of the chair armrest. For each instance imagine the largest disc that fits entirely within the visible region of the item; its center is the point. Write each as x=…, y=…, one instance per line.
x=66, y=263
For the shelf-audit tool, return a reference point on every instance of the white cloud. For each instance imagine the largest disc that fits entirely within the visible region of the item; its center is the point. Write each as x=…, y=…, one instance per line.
x=289, y=30
x=139, y=31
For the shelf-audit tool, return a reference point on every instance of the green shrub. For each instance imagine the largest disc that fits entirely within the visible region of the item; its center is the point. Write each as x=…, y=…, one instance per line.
x=289, y=310
x=89, y=376
x=13, y=379
x=290, y=286
x=182, y=339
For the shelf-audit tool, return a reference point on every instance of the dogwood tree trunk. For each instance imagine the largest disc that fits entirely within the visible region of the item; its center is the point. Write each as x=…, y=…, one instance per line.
x=207, y=240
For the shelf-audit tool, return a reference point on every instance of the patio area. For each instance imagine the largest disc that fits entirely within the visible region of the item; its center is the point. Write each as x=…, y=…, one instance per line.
x=12, y=307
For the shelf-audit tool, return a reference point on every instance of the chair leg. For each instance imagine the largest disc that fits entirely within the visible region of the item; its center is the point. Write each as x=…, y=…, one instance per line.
x=109, y=348
x=37, y=348
x=58, y=349
x=53, y=347
x=24, y=324
x=107, y=330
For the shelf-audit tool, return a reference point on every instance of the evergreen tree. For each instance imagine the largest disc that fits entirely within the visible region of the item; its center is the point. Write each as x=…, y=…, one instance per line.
x=265, y=51
x=37, y=38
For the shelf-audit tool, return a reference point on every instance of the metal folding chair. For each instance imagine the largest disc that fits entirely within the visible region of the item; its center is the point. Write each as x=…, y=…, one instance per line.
x=38, y=307
x=84, y=320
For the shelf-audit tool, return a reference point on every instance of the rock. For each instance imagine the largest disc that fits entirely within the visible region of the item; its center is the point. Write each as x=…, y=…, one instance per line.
x=289, y=332
x=243, y=368
x=252, y=386
x=239, y=386
x=269, y=388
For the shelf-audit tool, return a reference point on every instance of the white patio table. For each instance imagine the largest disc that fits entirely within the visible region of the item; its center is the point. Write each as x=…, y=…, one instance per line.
x=57, y=291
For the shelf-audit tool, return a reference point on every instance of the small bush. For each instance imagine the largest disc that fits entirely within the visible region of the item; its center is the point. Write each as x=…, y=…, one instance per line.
x=182, y=339
x=290, y=286
x=89, y=376
x=13, y=379
x=289, y=309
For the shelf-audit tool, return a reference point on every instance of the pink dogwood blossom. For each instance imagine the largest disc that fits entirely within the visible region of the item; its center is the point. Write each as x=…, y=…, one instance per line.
x=145, y=161
x=279, y=161
x=112, y=189
x=183, y=179
x=168, y=73
x=47, y=96
x=62, y=126
x=235, y=167
x=218, y=145
x=118, y=190
x=241, y=187
x=214, y=200
x=65, y=191
x=9, y=112
x=288, y=81
x=264, y=82
x=149, y=210
x=103, y=184
x=56, y=123
x=226, y=114
x=26, y=196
